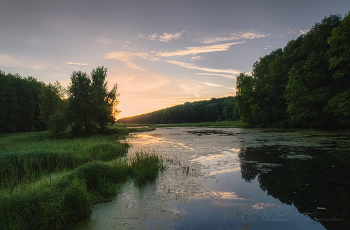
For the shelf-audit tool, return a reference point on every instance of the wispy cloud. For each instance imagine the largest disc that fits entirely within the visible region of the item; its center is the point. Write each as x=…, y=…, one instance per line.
x=212, y=84
x=218, y=74
x=25, y=62
x=127, y=58
x=252, y=34
x=304, y=31
x=76, y=63
x=191, y=66
x=191, y=87
x=166, y=37
x=299, y=32
x=199, y=49
x=216, y=85
x=194, y=58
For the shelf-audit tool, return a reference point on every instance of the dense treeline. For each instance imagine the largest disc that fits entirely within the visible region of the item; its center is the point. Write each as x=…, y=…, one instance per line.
x=216, y=109
x=19, y=100
x=305, y=84
x=29, y=105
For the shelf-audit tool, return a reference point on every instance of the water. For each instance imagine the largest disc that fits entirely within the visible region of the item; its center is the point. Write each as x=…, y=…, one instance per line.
x=228, y=178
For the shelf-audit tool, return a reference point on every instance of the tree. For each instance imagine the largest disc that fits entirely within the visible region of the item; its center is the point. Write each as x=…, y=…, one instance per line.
x=19, y=104
x=245, y=96
x=51, y=101
x=91, y=106
x=339, y=62
x=104, y=103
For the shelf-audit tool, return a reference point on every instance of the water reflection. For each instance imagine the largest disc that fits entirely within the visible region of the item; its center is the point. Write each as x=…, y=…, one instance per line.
x=236, y=179
x=314, y=180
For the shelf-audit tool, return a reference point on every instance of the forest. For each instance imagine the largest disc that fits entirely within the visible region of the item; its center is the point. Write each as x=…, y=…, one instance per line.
x=305, y=84
x=215, y=109
x=30, y=105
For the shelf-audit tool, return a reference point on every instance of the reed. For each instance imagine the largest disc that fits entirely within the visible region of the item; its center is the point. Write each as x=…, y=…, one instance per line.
x=89, y=169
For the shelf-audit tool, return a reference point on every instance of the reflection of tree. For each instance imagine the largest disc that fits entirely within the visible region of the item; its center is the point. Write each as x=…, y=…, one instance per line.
x=311, y=184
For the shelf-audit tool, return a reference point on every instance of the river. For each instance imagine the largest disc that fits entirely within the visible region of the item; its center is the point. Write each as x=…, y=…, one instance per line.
x=231, y=178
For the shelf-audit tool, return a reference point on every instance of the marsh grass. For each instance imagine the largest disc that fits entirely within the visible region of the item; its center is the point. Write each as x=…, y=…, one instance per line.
x=54, y=204
x=30, y=199
x=18, y=167
x=145, y=166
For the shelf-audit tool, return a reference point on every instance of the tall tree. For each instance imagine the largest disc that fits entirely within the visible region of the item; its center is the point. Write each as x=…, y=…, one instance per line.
x=245, y=97
x=104, y=103
x=91, y=106
x=339, y=62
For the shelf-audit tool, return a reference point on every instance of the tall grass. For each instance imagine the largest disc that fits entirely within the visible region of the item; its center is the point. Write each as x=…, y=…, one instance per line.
x=27, y=201
x=55, y=204
x=145, y=167
x=17, y=167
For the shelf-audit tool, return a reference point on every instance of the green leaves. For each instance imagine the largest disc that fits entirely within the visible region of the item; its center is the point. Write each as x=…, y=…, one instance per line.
x=91, y=106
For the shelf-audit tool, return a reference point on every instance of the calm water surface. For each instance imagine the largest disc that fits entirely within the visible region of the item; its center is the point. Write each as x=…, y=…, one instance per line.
x=229, y=178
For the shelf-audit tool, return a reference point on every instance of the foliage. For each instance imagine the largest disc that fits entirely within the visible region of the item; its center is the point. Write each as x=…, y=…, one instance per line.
x=91, y=106
x=339, y=63
x=19, y=103
x=212, y=110
x=32, y=198
x=52, y=100
x=57, y=123
x=304, y=84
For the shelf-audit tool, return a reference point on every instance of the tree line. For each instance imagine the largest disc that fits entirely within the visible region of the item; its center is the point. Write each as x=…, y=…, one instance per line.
x=216, y=109
x=30, y=105
x=305, y=84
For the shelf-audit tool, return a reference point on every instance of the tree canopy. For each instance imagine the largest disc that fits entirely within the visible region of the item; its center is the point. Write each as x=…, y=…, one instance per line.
x=91, y=106
x=304, y=84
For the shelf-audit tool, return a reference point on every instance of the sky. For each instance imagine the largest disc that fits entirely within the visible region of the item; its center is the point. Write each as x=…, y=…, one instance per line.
x=160, y=53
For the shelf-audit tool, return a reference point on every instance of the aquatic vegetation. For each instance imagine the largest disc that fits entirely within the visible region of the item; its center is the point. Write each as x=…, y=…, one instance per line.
x=145, y=166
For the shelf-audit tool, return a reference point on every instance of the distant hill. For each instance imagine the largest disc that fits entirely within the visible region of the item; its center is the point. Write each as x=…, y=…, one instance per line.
x=215, y=109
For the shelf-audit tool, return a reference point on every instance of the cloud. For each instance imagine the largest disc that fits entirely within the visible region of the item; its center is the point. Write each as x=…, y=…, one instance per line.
x=25, y=62
x=166, y=37
x=233, y=36
x=290, y=31
x=196, y=58
x=212, y=84
x=76, y=63
x=304, y=31
x=191, y=87
x=218, y=74
x=127, y=58
x=199, y=49
x=143, y=84
x=191, y=66
x=216, y=85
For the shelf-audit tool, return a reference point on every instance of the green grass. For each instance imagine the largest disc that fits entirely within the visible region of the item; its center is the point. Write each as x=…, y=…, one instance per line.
x=31, y=199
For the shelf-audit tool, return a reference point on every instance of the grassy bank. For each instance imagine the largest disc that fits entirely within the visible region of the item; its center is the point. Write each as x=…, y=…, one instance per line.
x=30, y=199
